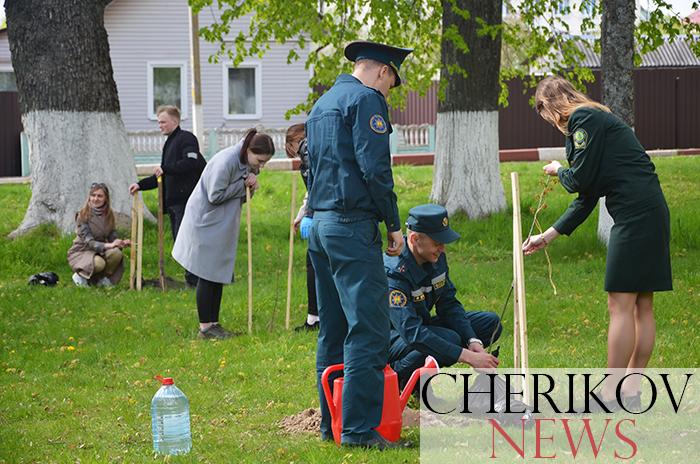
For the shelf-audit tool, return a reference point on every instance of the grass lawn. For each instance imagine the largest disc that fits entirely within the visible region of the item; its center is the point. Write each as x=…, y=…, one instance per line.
x=77, y=365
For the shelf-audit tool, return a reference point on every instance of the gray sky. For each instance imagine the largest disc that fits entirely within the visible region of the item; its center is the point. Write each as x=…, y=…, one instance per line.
x=681, y=6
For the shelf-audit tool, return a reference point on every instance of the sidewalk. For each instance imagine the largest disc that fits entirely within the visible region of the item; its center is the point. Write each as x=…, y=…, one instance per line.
x=416, y=159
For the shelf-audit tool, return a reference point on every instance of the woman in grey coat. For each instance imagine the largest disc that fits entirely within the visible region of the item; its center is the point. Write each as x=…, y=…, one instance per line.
x=208, y=237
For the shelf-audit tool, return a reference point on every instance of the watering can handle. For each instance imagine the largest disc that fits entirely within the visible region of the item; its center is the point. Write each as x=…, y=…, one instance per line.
x=325, y=384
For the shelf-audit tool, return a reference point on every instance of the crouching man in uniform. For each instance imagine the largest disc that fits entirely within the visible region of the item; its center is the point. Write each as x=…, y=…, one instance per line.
x=418, y=281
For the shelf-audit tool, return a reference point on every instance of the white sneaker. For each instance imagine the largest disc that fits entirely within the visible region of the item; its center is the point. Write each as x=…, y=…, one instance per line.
x=105, y=282
x=79, y=280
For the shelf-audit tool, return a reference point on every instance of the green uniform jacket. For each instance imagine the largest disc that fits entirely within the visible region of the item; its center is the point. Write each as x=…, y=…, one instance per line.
x=606, y=159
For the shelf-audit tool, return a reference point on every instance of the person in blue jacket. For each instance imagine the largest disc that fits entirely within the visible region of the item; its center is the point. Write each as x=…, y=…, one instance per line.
x=419, y=280
x=350, y=191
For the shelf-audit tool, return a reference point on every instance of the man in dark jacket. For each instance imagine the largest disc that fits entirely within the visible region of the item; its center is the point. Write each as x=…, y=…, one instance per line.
x=181, y=166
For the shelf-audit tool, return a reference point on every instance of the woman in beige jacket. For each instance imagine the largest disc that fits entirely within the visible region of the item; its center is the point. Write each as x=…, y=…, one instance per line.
x=96, y=257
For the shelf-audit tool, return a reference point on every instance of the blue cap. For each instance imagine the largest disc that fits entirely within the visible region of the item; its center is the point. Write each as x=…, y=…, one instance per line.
x=390, y=56
x=432, y=221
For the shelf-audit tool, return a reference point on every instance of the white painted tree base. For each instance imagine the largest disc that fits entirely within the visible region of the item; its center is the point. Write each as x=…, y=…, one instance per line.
x=605, y=222
x=68, y=151
x=466, y=176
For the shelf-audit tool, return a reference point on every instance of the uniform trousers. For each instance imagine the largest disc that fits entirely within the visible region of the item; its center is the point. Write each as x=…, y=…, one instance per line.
x=352, y=288
x=404, y=359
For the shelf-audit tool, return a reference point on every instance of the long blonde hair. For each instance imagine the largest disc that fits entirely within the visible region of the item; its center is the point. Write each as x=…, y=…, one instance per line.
x=556, y=100
x=86, y=211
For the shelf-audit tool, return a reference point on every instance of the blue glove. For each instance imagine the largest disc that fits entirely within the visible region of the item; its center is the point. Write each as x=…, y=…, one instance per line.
x=305, y=227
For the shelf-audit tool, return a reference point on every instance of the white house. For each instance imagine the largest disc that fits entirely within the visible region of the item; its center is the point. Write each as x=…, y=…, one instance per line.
x=150, y=51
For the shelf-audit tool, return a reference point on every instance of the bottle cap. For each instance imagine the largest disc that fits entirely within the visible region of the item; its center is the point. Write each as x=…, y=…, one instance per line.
x=164, y=380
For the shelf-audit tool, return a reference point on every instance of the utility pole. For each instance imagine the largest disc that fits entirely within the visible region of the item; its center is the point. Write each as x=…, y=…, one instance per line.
x=197, y=116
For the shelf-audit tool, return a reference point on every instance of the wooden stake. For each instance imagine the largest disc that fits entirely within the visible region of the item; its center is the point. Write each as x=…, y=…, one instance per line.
x=139, y=253
x=250, y=261
x=290, y=264
x=134, y=243
x=161, y=227
x=520, y=361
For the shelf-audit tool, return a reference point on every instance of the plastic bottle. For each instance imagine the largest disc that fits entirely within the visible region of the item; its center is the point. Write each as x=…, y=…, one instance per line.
x=170, y=419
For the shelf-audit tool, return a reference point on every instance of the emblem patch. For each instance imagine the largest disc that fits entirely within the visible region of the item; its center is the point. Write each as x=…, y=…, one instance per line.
x=377, y=123
x=397, y=298
x=445, y=221
x=580, y=139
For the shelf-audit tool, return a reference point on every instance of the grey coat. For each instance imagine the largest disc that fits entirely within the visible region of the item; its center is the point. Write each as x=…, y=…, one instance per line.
x=208, y=237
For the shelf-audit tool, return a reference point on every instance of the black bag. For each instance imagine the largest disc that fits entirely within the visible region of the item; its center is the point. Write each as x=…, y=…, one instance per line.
x=45, y=278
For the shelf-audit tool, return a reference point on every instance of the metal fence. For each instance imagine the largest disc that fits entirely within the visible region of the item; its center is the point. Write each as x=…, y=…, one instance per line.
x=667, y=102
x=147, y=145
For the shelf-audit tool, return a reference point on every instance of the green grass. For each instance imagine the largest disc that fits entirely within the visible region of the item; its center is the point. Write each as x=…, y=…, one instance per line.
x=77, y=365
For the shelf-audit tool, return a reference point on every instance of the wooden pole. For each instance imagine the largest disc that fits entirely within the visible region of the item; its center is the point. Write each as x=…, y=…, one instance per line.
x=197, y=111
x=161, y=227
x=134, y=243
x=520, y=314
x=139, y=253
x=250, y=261
x=290, y=263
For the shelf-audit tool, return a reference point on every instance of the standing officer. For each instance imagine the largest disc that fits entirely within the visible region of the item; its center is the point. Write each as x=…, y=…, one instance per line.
x=181, y=166
x=350, y=190
x=418, y=281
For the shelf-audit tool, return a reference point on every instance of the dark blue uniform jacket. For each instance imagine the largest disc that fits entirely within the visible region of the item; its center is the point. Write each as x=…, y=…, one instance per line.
x=350, y=162
x=413, y=291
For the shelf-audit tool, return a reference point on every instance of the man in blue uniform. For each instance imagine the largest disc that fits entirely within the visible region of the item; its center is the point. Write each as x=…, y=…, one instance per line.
x=350, y=191
x=418, y=281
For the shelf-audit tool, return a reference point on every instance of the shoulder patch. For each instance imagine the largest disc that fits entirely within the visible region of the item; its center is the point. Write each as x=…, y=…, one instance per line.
x=580, y=139
x=397, y=298
x=377, y=124
x=192, y=155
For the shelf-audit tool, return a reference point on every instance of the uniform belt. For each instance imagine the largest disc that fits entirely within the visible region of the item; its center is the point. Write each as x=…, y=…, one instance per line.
x=345, y=217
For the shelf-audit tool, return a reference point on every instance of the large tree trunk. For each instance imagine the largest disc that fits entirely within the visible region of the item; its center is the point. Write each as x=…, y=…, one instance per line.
x=617, y=63
x=466, y=176
x=70, y=108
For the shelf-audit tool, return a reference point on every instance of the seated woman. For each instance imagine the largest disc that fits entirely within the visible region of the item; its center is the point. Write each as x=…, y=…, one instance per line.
x=96, y=256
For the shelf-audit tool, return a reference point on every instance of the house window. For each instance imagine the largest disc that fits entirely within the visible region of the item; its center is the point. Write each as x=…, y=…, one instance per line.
x=7, y=81
x=167, y=83
x=242, y=91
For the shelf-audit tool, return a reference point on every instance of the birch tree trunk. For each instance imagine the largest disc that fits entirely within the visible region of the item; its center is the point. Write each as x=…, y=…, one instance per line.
x=70, y=109
x=466, y=168
x=617, y=63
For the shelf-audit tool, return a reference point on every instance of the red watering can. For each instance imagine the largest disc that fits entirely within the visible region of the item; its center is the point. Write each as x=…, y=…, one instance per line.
x=394, y=402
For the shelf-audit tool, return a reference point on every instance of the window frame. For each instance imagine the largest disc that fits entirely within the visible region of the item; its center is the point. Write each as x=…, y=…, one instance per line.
x=150, y=107
x=8, y=68
x=257, y=66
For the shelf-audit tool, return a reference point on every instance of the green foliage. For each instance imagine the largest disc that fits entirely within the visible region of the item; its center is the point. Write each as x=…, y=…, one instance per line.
x=322, y=35
x=546, y=44
x=536, y=37
x=77, y=365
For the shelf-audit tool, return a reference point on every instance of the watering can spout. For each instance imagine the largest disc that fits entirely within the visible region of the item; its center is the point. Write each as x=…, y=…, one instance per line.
x=430, y=367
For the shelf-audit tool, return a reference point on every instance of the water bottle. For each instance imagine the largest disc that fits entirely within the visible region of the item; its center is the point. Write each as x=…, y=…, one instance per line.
x=170, y=419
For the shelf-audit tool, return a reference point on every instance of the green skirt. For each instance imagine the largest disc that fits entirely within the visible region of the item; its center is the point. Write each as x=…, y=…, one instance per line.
x=639, y=257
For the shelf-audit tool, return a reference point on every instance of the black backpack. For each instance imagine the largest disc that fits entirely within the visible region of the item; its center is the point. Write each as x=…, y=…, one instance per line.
x=44, y=278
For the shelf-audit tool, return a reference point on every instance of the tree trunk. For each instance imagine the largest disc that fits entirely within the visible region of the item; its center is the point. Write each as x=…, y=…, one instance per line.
x=617, y=63
x=466, y=176
x=70, y=109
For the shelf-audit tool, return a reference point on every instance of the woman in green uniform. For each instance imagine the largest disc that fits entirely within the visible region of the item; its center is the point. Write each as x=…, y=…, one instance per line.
x=607, y=160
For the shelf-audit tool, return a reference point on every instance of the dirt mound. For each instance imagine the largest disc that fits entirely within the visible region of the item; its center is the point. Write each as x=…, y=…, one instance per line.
x=307, y=421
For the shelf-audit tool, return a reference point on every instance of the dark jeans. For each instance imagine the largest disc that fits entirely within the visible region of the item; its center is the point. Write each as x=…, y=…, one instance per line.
x=176, y=213
x=311, y=285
